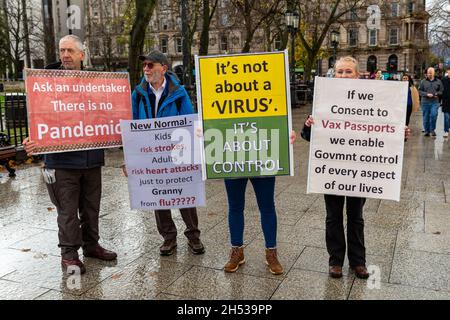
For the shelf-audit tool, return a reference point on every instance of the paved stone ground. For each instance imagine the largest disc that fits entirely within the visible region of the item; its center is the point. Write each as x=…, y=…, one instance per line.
x=408, y=241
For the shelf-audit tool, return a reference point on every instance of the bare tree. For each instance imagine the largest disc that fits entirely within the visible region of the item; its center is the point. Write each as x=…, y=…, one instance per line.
x=26, y=36
x=439, y=27
x=105, y=30
x=317, y=17
x=5, y=50
x=14, y=15
x=48, y=32
x=144, y=11
x=208, y=10
x=254, y=14
x=20, y=34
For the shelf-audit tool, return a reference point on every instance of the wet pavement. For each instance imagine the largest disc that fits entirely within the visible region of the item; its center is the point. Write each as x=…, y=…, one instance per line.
x=408, y=242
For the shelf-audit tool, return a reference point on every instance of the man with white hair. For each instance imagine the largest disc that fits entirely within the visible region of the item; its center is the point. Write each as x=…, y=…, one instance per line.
x=74, y=183
x=430, y=89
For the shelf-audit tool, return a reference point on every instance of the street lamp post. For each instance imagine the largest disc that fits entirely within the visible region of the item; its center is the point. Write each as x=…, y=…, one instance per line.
x=292, y=19
x=334, y=44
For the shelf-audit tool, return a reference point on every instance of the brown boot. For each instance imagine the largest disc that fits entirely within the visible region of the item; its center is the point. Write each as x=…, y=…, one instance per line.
x=236, y=259
x=272, y=261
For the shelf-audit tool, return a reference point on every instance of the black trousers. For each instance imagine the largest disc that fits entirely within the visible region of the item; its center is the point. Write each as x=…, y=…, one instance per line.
x=167, y=228
x=76, y=195
x=335, y=237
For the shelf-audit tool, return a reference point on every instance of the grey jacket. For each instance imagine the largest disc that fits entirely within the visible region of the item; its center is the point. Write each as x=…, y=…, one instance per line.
x=435, y=87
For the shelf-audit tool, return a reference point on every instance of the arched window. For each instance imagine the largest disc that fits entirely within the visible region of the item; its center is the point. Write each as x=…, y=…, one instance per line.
x=392, y=64
x=372, y=64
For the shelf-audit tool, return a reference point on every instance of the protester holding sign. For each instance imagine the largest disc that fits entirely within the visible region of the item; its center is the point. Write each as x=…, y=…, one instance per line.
x=160, y=95
x=246, y=121
x=264, y=188
x=362, y=113
x=74, y=184
x=346, y=67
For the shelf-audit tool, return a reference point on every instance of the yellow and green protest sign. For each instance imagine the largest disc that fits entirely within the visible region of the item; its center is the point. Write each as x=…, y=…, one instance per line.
x=243, y=101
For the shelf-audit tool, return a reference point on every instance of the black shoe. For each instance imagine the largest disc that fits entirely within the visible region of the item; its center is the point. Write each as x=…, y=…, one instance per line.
x=168, y=247
x=426, y=134
x=433, y=133
x=196, y=246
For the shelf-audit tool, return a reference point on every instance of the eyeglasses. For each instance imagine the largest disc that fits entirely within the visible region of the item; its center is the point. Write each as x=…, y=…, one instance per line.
x=150, y=65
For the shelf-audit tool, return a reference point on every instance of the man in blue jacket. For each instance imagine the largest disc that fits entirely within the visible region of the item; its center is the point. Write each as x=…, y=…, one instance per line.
x=160, y=95
x=74, y=183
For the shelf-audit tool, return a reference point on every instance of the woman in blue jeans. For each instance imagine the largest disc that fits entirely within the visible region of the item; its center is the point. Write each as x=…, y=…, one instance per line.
x=265, y=195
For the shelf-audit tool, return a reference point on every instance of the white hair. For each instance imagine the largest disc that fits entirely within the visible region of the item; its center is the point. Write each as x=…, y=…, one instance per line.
x=348, y=59
x=75, y=39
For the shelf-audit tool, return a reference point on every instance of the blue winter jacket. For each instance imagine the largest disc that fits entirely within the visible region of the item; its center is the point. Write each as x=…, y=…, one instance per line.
x=141, y=100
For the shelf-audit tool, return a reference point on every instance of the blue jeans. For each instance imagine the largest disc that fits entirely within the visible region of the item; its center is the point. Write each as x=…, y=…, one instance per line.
x=264, y=190
x=430, y=113
x=446, y=121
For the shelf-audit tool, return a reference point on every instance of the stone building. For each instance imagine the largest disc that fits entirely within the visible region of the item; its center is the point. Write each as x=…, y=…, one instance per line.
x=399, y=44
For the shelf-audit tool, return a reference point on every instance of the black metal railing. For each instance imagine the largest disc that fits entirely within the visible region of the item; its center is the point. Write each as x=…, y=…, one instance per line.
x=13, y=117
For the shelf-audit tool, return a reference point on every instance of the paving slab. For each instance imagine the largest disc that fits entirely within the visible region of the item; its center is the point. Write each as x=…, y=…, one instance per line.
x=421, y=269
x=309, y=285
x=204, y=283
x=387, y=291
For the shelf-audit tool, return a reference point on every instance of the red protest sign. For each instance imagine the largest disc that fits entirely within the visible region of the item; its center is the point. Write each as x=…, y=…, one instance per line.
x=71, y=110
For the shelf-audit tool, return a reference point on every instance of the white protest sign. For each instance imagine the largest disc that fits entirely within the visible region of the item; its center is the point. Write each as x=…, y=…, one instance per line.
x=357, y=138
x=161, y=160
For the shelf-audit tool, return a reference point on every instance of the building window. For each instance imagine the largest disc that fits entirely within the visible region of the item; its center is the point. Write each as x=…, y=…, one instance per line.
x=410, y=7
x=394, y=9
x=371, y=64
x=164, y=25
x=95, y=48
x=354, y=14
x=353, y=37
x=392, y=64
x=277, y=42
x=163, y=44
x=120, y=49
x=178, y=45
x=224, y=43
x=373, y=33
x=393, y=36
x=224, y=19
